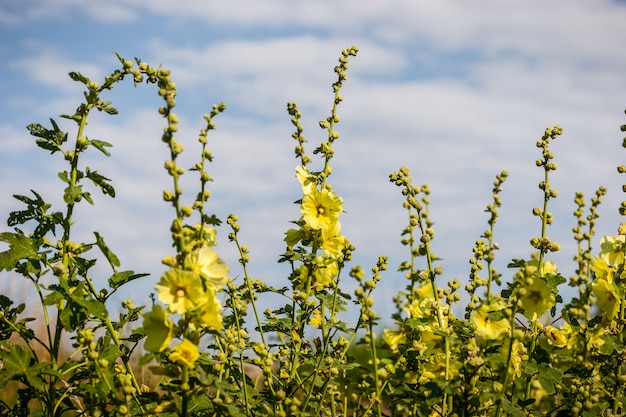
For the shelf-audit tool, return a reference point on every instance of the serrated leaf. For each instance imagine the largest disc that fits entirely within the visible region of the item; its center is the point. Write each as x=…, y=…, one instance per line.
x=36, y=210
x=108, y=254
x=554, y=281
x=88, y=198
x=134, y=338
x=78, y=77
x=100, y=181
x=49, y=139
x=20, y=247
x=212, y=220
x=120, y=278
x=100, y=145
x=548, y=377
x=16, y=361
x=105, y=107
x=64, y=176
x=516, y=263
x=529, y=368
x=610, y=345
x=72, y=195
x=512, y=409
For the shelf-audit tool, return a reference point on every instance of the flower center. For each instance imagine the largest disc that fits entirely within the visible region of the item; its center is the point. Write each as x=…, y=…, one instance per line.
x=535, y=296
x=320, y=210
x=180, y=292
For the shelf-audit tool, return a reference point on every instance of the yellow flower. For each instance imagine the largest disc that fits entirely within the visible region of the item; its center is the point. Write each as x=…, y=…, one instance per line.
x=425, y=291
x=556, y=337
x=159, y=330
x=435, y=367
x=548, y=268
x=431, y=341
x=321, y=209
x=595, y=341
x=612, y=250
x=486, y=327
x=536, y=297
x=316, y=319
x=325, y=272
x=335, y=245
x=307, y=180
x=518, y=355
x=420, y=307
x=211, y=314
x=332, y=242
x=185, y=353
x=393, y=339
x=181, y=290
x=294, y=236
x=209, y=234
x=607, y=297
x=602, y=269
x=208, y=265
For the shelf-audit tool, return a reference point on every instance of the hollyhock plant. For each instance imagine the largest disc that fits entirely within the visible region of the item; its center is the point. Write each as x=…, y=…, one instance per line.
x=307, y=343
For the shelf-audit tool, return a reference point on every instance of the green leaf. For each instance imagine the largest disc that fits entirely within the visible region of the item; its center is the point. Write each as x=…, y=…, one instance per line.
x=529, y=368
x=111, y=257
x=120, y=278
x=213, y=220
x=554, y=281
x=75, y=194
x=525, y=403
x=36, y=210
x=64, y=176
x=516, y=263
x=20, y=247
x=49, y=139
x=611, y=344
x=100, y=145
x=105, y=106
x=548, y=377
x=100, y=181
x=512, y=409
x=16, y=361
x=78, y=77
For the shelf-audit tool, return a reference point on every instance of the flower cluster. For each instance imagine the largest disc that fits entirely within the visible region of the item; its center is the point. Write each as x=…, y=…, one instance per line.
x=189, y=290
x=319, y=228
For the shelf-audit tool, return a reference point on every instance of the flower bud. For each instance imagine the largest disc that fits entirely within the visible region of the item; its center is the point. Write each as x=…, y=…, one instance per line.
x=186, y=211
x=167, y=195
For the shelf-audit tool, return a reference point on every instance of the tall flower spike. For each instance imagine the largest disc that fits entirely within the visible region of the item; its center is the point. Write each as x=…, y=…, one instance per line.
x=622, y=169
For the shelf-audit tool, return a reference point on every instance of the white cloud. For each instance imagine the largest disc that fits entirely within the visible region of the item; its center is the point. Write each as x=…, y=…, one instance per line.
x=50, y=68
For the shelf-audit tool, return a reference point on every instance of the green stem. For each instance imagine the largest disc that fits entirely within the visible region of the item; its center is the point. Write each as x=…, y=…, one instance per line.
x=244, y=384
x=505, y=381
x=377, y=385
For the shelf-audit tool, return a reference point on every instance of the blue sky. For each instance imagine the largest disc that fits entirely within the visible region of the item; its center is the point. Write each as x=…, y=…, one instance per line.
x=455, y=90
